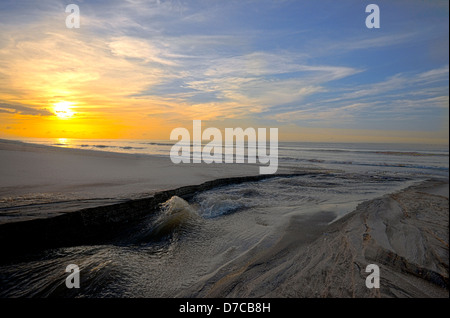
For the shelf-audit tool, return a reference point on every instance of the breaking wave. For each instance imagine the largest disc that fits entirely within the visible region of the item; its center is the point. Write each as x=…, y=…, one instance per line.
x=175, y=214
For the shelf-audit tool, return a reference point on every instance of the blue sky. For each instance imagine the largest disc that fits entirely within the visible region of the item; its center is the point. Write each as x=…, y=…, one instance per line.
x=307, y=67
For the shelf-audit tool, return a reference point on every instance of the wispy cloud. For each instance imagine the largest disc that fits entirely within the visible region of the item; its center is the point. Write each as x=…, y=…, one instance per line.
x=24, y=110
x=401, y=97
x=139, y=49
x=380, y=41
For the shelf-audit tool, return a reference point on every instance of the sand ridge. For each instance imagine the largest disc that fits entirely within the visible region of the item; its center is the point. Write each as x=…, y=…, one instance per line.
x=405, y=234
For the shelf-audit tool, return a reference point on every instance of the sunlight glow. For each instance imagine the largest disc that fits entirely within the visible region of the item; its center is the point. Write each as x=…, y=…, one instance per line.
x=63, y=109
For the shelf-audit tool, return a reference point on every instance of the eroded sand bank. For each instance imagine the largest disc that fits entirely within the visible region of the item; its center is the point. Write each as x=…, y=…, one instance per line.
x=405, y=234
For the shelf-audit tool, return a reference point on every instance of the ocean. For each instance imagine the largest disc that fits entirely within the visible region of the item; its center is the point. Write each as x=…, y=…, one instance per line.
x=188, y=244
x=410, y=159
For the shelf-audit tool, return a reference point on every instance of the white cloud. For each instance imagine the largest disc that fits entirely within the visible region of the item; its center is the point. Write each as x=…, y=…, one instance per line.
x=434, y=75
x=129, y=47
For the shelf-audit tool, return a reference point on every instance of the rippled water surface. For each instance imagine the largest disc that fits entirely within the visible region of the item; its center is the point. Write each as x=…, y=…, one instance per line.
x=352, y=157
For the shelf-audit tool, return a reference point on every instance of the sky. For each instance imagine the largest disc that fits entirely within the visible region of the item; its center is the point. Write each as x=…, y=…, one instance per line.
x=312, y=69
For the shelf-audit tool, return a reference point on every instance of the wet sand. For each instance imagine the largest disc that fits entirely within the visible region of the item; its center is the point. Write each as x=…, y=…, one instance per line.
x=405, y=234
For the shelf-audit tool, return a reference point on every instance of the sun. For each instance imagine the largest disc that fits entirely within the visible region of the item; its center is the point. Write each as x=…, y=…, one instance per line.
x=63, y=109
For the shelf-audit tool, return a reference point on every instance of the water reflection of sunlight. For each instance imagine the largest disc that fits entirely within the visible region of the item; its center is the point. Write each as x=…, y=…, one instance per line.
x=63, y=142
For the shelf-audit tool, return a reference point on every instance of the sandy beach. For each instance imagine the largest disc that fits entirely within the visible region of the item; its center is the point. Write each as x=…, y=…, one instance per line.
x=405, y=233
x=34, y=177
